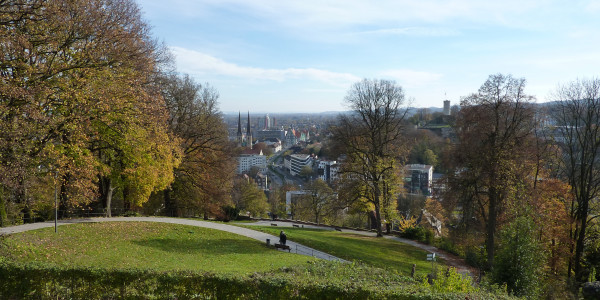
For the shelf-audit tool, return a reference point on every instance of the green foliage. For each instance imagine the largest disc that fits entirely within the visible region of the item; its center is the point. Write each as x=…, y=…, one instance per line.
x=231, y=213
x=253, y=200
x=520, y=258
x=418, y=233
x=451, y=281
x=319, y=280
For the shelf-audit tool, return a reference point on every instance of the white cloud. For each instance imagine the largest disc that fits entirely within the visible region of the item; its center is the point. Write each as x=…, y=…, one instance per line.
x=194, y=62
x=411, y=78
x=414, y=31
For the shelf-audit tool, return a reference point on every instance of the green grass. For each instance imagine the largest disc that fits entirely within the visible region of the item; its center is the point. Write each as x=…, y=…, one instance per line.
x=146, y=245
x=377, y=252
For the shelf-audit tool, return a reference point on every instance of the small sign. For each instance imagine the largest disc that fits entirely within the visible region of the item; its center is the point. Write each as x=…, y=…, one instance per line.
x=431, y=256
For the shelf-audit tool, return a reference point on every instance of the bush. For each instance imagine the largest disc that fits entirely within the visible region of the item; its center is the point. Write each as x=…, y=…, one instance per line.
x=520, y=259
x=418, y=233
x=317, y=280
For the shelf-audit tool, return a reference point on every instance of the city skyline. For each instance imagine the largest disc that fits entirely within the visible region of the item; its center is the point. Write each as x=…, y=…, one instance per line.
x=288, y=56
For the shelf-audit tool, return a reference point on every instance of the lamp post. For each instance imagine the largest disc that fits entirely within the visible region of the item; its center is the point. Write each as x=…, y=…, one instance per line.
x=55, y=205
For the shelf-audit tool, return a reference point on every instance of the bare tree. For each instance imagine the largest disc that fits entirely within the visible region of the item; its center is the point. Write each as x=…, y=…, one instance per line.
x=577, y=119
x=370, y=137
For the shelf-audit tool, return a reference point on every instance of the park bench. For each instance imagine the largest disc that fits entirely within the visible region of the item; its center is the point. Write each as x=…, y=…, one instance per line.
x=296, y=225
x=283, y=247
x=337, y=229
x=273, y=224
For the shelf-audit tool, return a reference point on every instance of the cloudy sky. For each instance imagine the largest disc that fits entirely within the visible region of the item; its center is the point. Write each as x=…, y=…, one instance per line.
x=302, y=56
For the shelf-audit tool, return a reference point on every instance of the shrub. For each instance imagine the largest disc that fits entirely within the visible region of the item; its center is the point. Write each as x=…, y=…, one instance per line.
x=418, y=233
x=520, y=258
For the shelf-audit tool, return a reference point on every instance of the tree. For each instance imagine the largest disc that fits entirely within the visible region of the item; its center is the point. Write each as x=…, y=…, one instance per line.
x=306, y=172
x=252, y=199
x=370, y=136
x=204, y=179
x=318, y=200
x=520, y=259
x=577, y=115
x=494, y=129
x=66, y=67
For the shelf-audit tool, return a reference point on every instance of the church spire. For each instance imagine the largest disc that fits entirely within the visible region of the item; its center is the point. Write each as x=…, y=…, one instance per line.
x=248, y=133
x=239, y=131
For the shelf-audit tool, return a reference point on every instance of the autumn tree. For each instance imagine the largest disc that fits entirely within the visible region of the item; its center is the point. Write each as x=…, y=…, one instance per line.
x=249, y=198
x=370, y=136
x=204, y=179
x=66, y=67
x=577, y=115
x=494, y=127
x=318, y=200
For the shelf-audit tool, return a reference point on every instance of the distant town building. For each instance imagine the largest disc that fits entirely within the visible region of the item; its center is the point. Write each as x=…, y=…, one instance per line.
x=290, y=137
x=273, y=143
x=251, y=158
x=447, y=107
x=261, y=181
x=271, y=133
x=244, y=140
x=298, y=161
x=418, y=178
x=328, y=170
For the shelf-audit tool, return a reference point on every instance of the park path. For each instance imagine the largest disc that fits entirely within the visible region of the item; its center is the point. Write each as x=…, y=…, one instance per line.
x=257, y=235
x=450, y=259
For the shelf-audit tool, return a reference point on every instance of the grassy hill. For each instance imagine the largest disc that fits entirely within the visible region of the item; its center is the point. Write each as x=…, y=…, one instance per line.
x=378, y=252
x=166, y=261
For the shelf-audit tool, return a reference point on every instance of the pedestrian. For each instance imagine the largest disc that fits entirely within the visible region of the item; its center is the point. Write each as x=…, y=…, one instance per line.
x=282, y=237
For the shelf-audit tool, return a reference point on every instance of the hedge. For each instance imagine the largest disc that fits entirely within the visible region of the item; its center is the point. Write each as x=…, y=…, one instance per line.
x=38, y=281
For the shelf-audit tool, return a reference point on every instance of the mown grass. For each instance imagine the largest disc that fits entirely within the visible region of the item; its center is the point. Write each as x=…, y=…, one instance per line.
x=377, y=252
x=146, y=245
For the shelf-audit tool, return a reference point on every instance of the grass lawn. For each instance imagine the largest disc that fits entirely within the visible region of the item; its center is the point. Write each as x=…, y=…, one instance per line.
x=146, y=245
x=378, y=252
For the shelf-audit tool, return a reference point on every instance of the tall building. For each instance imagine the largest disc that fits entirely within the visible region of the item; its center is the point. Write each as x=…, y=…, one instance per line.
x=447, y=107
x=267, y=122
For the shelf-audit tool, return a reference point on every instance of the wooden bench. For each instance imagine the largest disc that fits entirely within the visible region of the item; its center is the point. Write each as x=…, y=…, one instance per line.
x=273, y=224
x=282, y=247
x=296, y=225
x=337, y=229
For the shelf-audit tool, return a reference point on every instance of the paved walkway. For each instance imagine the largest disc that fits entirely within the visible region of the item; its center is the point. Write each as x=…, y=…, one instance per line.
x=257, y=235
x=450, y=259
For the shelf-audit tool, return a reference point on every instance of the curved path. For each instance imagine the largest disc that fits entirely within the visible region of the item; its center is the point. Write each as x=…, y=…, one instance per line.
x=257, y=235
x=450, y=259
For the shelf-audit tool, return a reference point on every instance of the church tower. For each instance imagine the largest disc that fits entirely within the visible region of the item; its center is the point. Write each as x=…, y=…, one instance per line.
x=240, y=137
x=248, y=133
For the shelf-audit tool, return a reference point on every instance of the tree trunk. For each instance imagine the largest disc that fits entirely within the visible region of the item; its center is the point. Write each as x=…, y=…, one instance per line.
x=491, y=227
x=63, y=197
x=170, y=205
x=2, y=209
x=579, y=270
x=378, y=220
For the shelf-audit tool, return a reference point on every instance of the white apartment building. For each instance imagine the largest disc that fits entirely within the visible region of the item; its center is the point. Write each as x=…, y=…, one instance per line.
x=297, y=161
x=328, y=170
x=251, y=158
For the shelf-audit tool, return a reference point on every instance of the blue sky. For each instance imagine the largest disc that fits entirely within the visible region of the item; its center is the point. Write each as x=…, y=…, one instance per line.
x=303, y=56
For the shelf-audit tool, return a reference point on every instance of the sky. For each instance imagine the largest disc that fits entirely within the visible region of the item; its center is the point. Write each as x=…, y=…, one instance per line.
x=303, y=55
